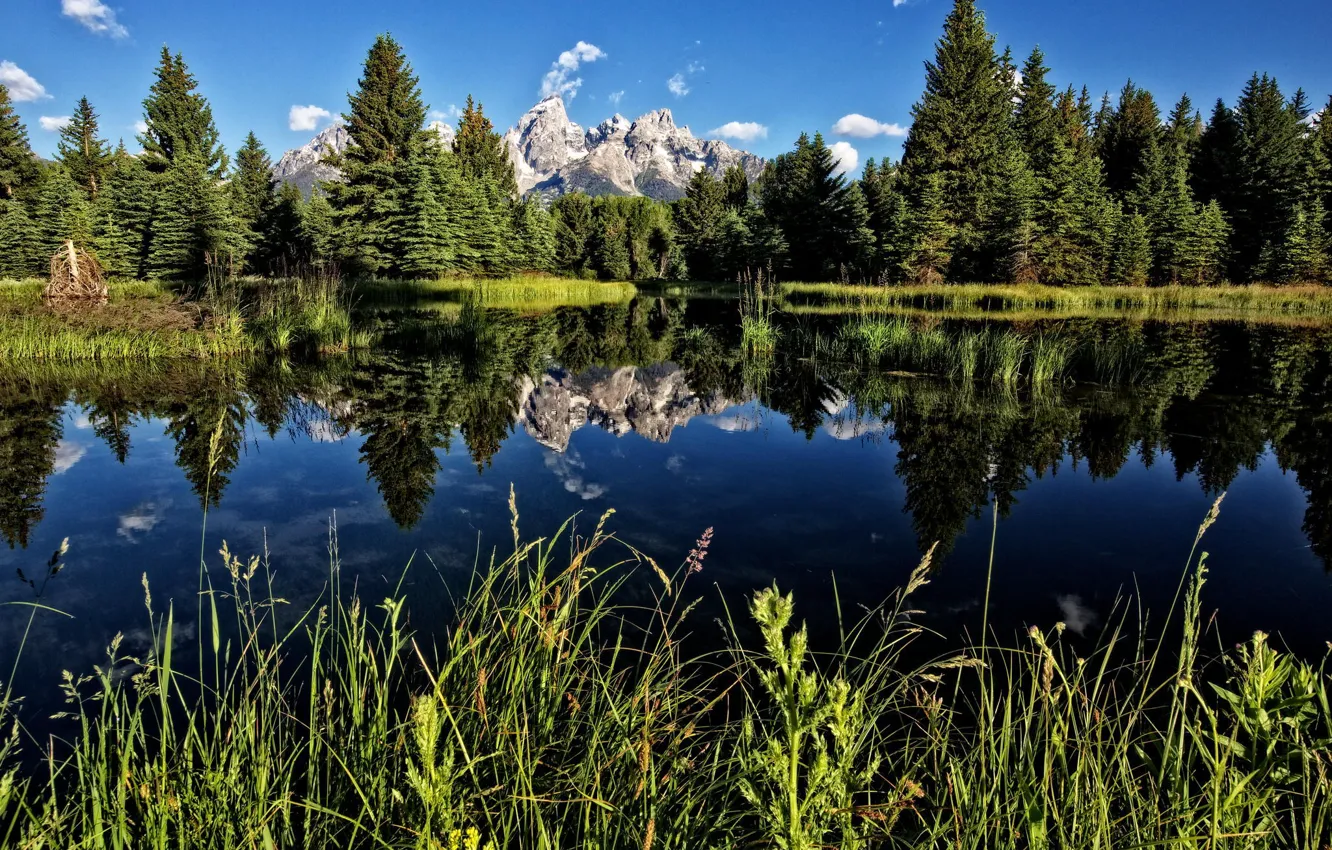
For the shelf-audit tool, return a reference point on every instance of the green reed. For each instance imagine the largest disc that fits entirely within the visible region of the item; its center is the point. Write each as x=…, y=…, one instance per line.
x=559, y=706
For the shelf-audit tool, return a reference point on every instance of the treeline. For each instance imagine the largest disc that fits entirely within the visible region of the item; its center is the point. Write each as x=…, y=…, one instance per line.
x=1004, y=178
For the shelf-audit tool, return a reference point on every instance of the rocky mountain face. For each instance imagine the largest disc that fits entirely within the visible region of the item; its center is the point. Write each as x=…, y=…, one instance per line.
x=552, y=155
x=650, y=401
x=650, y=156
x=304, y=166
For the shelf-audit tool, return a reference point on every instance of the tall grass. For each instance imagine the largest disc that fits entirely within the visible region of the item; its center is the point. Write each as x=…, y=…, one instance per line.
x=562, y=708
x=529, y=293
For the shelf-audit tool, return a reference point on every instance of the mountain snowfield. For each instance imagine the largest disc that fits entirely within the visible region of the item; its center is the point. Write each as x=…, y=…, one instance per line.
x=552, y=155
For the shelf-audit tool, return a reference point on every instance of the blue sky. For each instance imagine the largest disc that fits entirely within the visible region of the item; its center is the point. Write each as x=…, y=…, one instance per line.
x=783, y=66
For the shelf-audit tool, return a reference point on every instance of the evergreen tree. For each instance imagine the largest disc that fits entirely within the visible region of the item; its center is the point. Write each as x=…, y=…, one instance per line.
x=735, y=188
x=481, y=151
x=251, y=193
x=887, y=220
x=317, y=229
x=85, y=155
x=124, y=214
x=573, y=232
x=179, y=120
x=698, y=217
x=1130, y=150
x=282, y=245
x=1204, y=256
x=18, y=240
x=18, y=166
x=428, y=236
x=1183, y=134
x=385, y=120
x=62, y=213
x=1299, y=255
x=192, y=226
x=1271, y=175
x=612, y=247
x=1214, y=174
x=1036, y=121
x=929, y=234
x=1013, y=222
x=534, y=235
x=1131, y=262
x=960, y=132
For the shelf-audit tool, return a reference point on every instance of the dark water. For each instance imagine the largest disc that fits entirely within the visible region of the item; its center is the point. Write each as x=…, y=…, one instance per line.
x=811, y=470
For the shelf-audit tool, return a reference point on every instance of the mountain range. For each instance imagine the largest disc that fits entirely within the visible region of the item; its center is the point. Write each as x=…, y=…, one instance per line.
x=552, y=155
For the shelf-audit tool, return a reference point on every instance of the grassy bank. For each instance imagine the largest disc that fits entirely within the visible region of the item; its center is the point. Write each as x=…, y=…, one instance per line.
x=561, y=708
x=1255, y=300
x=529, y=293
x=145, y=320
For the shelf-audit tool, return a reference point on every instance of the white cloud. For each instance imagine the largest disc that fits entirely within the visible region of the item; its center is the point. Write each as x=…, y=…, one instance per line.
x=557, y=79
x=139, y=521
x=140, y=127
x=307, y=117
x=615, y=97
x=745, y=131
x=897, y=3
x=694, y=68
x=846, y=156
x=22, y=87
x=1077, y=616
x=54, y=125
x=861, y=127
x=95, y=15
x=450, y=113
x=677, y=85
x=66, y=455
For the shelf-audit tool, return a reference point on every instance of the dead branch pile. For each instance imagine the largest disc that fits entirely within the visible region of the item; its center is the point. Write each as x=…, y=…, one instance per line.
x=75, y=276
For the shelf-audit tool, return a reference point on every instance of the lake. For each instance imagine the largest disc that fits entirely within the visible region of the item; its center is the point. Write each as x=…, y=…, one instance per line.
x=823, y=475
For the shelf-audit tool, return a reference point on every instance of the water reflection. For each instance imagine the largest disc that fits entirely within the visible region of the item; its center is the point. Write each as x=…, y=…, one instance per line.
x=1209, y=399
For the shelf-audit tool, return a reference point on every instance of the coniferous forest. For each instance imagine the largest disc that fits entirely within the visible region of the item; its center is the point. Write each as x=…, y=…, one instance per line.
x=1004, y=178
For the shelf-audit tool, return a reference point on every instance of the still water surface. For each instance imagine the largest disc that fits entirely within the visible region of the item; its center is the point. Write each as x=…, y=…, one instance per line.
x=813, y=473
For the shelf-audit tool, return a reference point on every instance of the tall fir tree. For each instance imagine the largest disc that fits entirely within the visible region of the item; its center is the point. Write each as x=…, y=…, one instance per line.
x=179, y=120
x=481, y=151
x=18, y=240
x=534, y=236
x=251, y=193
x=18, y=166
x=1131, y=260
x=573, y=232
x=735, y=188
x=85, y=155
x=192, y=225
x=317, y=229
x=1271, y=175
x=63, y=213
x=1036, y=120
x=429, y=237
x=961, y=129
x=929, y=233
x=385, y=121
x=1214, y=171
x=1015, y=231
x=1130, y=149
x=282, y=246
x=887, y=219
x=124, y=213
x=698, y=217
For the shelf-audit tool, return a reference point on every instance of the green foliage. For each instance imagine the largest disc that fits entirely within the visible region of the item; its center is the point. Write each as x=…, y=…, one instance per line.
x=85, y=155
x=481, y=153
x=62, y=213
x=18, y=165
x=698, y=219
x=179, y=120
x=19, y=241
x=251, y=194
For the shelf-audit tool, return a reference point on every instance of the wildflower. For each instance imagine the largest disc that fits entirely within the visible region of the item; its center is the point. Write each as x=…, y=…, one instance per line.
x=699, y=552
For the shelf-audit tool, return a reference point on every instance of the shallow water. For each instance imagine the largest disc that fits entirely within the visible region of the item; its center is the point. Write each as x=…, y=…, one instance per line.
x=815, y=472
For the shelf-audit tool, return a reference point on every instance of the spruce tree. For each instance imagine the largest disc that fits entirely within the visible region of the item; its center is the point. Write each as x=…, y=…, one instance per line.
x=1299, y=255
x=18, y=241
x=1131, y=262
x=128, y=200
x=1204, y=255
x=1131, y=149
x=179, y=120
x=251, y=192
x=929, y=234
x=282, y=246
x=18, y=165
x=1214, y=172
x=534, y=234
x=1036, y=121
x=887, y=220
x=612, y=246
x=573, y=232
x=481, y=151
x=1271, y=174
x=698, y=217
x=1014, y=224
x=735, y=188
x=960, y=132
x=317, y=229
x=192, y=225
x=62, y=213
x=385, y=120
x=85, y=155
x=428, y=237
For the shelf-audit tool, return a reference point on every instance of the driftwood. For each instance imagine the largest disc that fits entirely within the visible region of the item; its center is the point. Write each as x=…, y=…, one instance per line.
x=75, y=276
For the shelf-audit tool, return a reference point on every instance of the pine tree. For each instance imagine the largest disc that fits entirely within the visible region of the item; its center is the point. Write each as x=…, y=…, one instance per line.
x=960, y=131
x=1300, y=254
x=62, y=213
x=429, y=238
x=1271, y=174
x=735, y=188
x=251, y=192
x=179, y=120
x=1131, y=150
x=1175, y=226
x=698, y=217
x=887, y=220
x=612, y=248
x=929, y=234
x=1214, y=174
x=573, y=232
x=481, y=151
x=317, y=230
x=128, y=201
x=1036, y=121
x=18, y=165
x=1204, y=256
x=534, y=233
x=1014, y=224
x=385, y=120
x=192, y=226
x=1131, y=262
x=18, y=240
x=85, y=155
x=282, y=245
